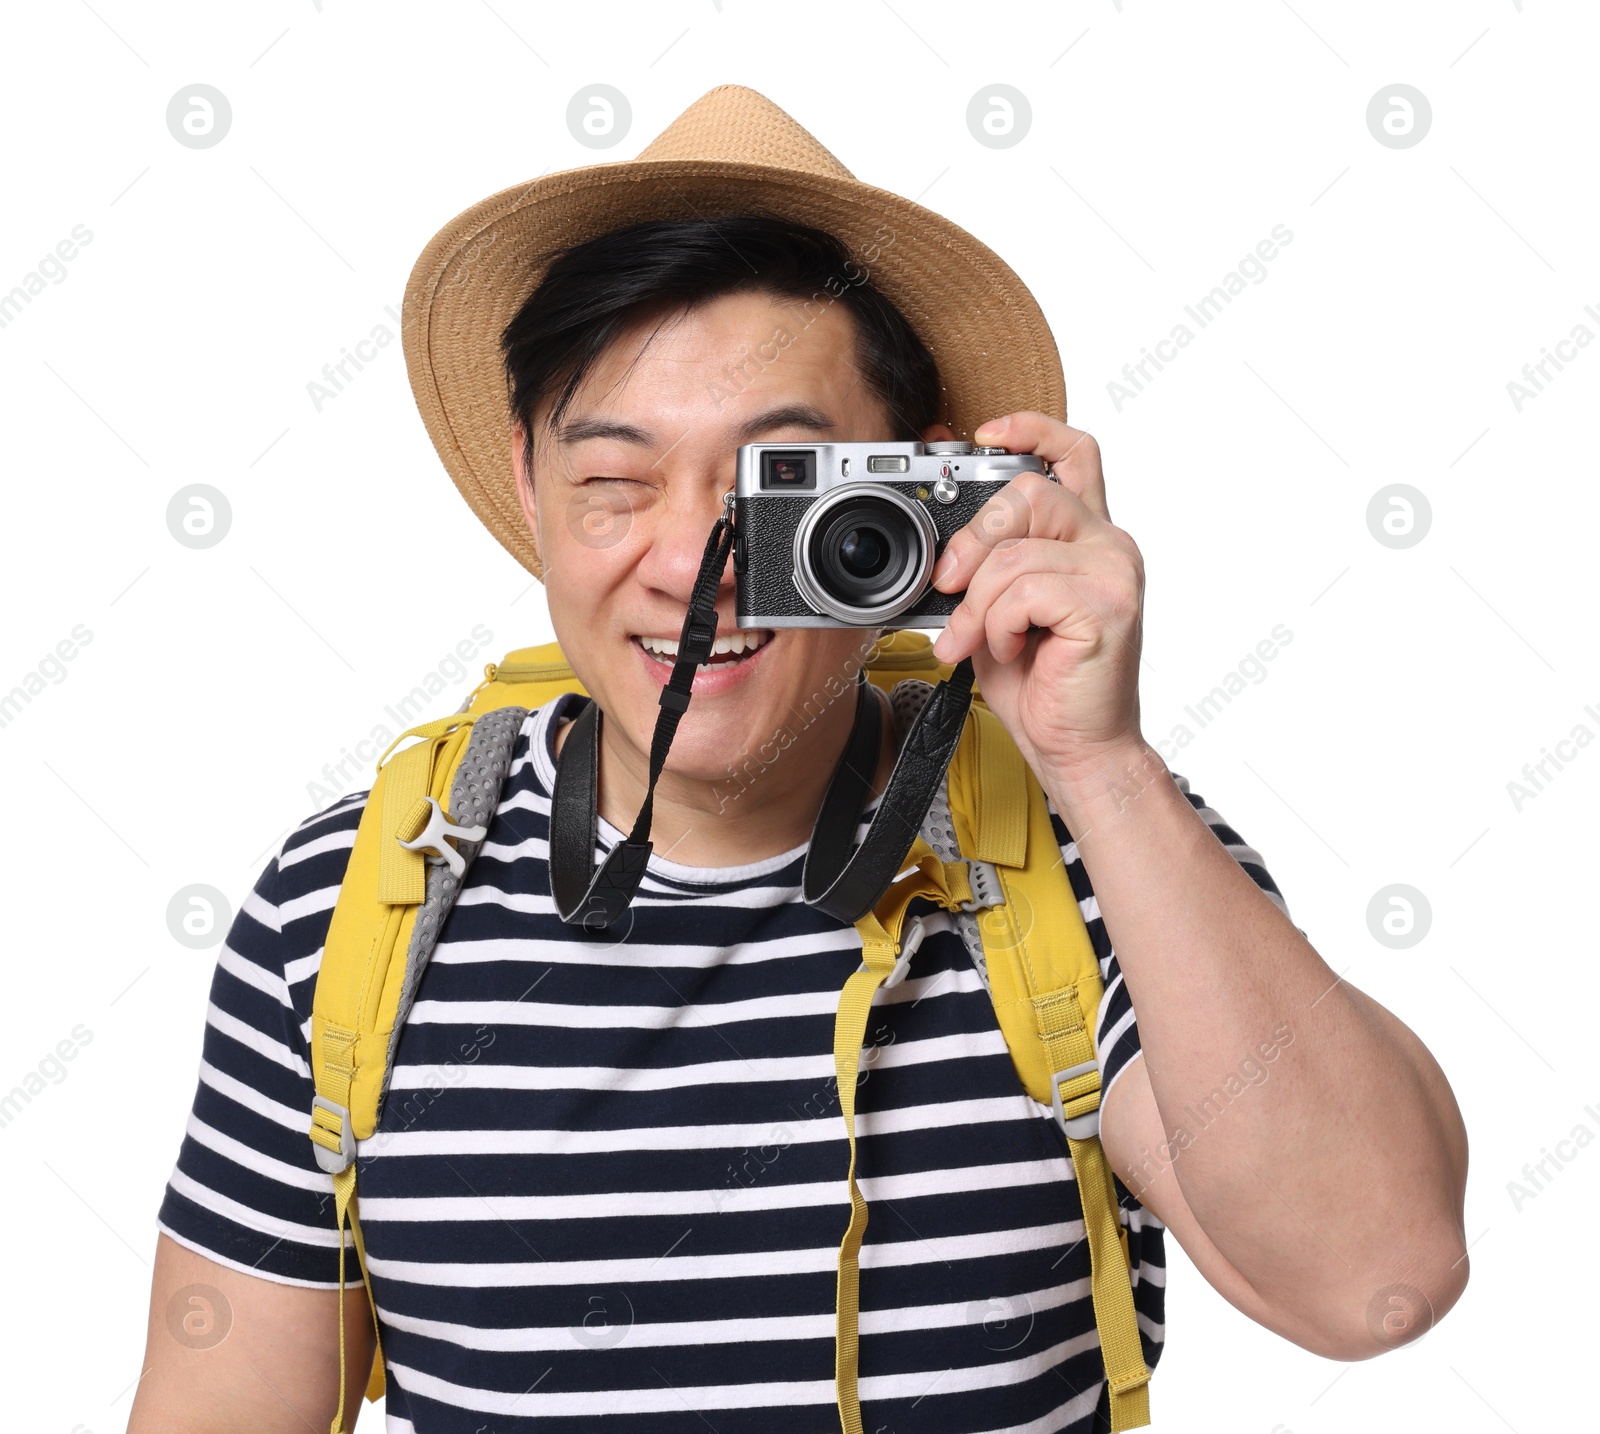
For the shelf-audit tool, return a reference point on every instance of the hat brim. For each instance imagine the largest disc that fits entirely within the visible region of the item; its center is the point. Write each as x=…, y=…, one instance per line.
x=994, y=349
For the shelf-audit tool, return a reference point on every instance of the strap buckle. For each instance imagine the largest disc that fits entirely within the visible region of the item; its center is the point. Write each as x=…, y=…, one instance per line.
x=1078, y=1127
x=985, y=883
x=332, y=1161
x=910, y=942
x=433, y=834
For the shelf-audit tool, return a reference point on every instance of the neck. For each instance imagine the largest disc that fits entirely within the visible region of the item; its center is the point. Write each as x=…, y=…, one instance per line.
x=712, y=824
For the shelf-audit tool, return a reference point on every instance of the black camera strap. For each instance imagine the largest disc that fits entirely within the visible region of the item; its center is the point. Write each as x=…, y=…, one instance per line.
x=594, y=898
x=847, y=881
x=839, y=877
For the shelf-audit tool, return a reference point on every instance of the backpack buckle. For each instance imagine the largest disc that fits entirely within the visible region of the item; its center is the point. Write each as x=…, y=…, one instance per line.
x=919, y=927
x=1078, y=1127
x=432, y=836
x=329, y=1159
x=985, y=883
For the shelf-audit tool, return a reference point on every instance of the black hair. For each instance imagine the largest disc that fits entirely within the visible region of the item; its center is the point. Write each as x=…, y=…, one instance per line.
x=591, y=292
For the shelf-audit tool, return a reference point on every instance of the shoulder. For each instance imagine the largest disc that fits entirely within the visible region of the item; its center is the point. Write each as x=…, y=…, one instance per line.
x=304, y=877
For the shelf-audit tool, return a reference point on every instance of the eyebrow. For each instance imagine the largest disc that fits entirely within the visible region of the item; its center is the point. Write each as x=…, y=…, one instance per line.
x=788, y=415
x=580, y=429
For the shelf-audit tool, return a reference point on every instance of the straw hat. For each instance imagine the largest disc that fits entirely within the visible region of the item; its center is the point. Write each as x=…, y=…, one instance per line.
x=732, y=151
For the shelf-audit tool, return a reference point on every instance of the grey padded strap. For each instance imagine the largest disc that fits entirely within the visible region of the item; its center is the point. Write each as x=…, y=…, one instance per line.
x=474, y=796
x=938, y=830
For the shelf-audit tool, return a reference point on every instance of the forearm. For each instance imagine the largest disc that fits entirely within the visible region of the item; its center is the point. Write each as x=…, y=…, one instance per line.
x=1313, y=1137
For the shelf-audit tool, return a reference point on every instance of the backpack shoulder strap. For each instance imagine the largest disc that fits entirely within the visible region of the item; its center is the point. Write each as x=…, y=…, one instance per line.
x=1045, y=981
x=528, y=677
x=425, y=819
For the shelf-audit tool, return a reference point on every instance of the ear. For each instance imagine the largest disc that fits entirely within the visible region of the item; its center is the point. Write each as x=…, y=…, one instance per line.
x=938, y=433
x=524, y=483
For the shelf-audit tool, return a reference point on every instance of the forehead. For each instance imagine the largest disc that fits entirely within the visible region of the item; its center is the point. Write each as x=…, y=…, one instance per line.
x=724, y=353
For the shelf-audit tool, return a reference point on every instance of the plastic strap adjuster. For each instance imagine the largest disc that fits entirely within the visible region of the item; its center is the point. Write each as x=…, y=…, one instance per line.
x=1078, y=1127
x=985, y=883
x=333, y=1161
x=432, y=838
x=919, y=927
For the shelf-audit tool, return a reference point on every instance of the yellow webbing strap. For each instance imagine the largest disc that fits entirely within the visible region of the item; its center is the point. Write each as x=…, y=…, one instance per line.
x=362, y=970
x=1044, y=979
x=1064, y=1030
x=881, y=929
x=402, y=874
x=338, y=1070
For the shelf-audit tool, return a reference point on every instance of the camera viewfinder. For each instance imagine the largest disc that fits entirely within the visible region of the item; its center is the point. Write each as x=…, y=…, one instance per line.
x=788, y=472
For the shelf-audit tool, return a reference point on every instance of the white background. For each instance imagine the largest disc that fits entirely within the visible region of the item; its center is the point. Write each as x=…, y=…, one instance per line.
x=1166, y=140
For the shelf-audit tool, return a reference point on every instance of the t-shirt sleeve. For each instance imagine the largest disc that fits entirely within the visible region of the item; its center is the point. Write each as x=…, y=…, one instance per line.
x=247, y=1191
x=1116, y=1033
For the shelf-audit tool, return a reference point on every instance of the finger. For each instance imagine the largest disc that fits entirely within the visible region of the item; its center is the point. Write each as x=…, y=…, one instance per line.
x=1030, y=506
x=1073, y=455
x=1101, y=583
x=1076, y=608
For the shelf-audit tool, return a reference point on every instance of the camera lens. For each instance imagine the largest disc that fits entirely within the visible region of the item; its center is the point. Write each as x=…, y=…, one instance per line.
x=863, y=554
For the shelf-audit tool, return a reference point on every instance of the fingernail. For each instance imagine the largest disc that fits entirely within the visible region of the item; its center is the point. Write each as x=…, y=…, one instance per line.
x=995, y=428
x=944, y=568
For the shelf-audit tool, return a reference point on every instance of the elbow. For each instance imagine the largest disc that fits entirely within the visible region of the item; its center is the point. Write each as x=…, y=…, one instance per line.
x=1377, y=1315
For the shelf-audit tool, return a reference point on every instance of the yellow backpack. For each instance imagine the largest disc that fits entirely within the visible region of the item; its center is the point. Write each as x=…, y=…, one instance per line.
x=1041, y=967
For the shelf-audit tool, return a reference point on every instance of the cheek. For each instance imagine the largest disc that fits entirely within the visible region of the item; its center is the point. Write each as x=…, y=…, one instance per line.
x=592, y=546
x=593, y=525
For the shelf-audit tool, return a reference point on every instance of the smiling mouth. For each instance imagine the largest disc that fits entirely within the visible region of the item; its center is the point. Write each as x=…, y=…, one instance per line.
x=729, y=650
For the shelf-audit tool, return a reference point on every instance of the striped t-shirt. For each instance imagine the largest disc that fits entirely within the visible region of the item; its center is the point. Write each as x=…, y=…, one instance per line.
x=607, y=1186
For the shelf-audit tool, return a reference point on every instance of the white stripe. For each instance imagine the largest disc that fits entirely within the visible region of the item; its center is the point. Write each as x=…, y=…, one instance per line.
x=693, y=1137
x=262, y=1224
x=302, y=968
x=484, y=1076
x=1123, y=1024
x=525, y=799
x=250, y=1098
x=310, y=904
x=332, y=841
x=750, y=898
x=279, y=1171
x=261, y=911
x=680, y=1333
x=535, y=1404
x=738, y=1199
x=751, y=1264
x=258, y=1041
x=244, y=970
x=646, y=1018
x=675, y=1016
x=636, y=954
x=342, y=805
x=1080, y=1406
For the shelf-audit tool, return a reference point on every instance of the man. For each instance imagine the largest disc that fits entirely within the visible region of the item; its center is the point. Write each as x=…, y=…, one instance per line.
x=605, y=1187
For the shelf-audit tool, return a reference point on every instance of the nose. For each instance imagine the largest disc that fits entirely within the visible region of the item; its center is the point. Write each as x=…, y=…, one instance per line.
x=677, y=547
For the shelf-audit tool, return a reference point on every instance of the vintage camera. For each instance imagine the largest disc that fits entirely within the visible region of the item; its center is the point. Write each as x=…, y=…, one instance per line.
x=847, y=534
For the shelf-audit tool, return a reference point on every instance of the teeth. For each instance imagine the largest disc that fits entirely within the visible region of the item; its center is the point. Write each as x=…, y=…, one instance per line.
x=738, y=641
